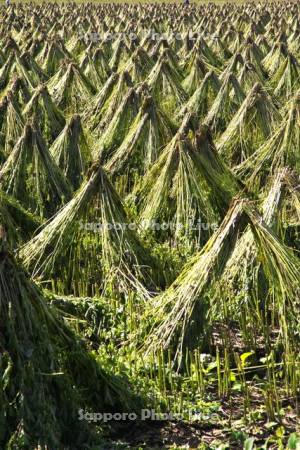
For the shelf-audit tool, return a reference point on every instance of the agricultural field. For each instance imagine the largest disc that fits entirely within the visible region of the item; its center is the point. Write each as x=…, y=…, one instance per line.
x=149, y=226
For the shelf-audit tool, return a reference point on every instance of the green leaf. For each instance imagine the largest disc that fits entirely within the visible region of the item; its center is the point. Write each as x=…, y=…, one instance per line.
x=232, y=376
x=245, y=356
x=249, y=444
x=294, y=442
x=280, y=432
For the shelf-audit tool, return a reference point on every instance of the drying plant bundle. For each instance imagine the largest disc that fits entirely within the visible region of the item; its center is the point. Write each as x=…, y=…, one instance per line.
x=227, y=102
x=139, y=65
x=147, y=136
x=252, y=54
x=174, y=191
x=31, y=341
x=90, y=246
x=11, y=122
x=234, y=39
x=51, y=120
x=75, y=45
x=222, y=183
x=51, y=56
x=220, y=48
x=117, y=129
x=99, y=58
x=165, y=85
x=5, y=71
x=93, y=112
x=248, y=76
x=196, y=70
x=90, y=71
x=19, y=223
x=263, y=44
x=103, y=107
x=164, y=51
x=31, y=175
x=178, y=315
x=293, y=42
x=275, y=57
x=38, y=349
x=252, y=51
x=243, y=280
x=120, y=56
x=9, y=46
x=207, y=53
x=286, y=79
x=281, y=267
x=202, y=99
x=69, y=88
x=280, y=150
x=25, y=67
x=71, y=152
x=20, y=90
x=250, y=126
x=233, y=66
